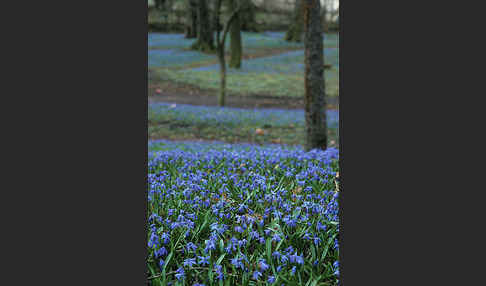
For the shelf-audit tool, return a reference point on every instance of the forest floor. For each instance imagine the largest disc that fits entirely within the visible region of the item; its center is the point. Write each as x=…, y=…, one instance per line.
x=264, y=98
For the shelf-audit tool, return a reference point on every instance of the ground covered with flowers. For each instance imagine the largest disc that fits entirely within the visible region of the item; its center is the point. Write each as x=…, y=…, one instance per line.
x=241, y=214
x=271, y=66
x=262, y=126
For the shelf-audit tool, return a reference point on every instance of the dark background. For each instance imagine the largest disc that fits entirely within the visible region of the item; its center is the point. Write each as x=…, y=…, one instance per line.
x=75, y=77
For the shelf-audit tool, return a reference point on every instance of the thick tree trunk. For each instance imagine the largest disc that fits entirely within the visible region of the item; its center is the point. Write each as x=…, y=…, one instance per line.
x=315, y=99
x=325, y=25
x=247, y=17
x=205, y=37
x=235, y=39
x=159, y=4
x=191, y=28
x=294, y=34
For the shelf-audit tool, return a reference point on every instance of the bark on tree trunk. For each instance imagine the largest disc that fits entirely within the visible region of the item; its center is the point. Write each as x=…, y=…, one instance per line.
x=325, y=25
x=235, y=39
x=222, y=89
x=315, y=99
x=191, y=28
x=205, y=37
x=294, y=34
x=247, y=17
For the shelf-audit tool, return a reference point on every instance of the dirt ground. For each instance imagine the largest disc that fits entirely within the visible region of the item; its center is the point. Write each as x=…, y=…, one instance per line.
x=172, y=92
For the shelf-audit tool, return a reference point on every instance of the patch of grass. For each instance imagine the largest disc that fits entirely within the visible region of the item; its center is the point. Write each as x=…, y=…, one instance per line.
x=188, y=122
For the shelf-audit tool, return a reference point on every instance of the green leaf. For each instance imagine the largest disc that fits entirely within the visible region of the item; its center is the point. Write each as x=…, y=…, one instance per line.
x=220, y=259
x=269, y=249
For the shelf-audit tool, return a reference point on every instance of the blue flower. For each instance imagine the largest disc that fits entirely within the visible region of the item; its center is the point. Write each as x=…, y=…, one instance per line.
x=161, y=263
x=203, y=260
x=276, y=254
x=256, y=275
x=180, y=274
x=263, y=265
x=271, y=279
x=276, y=238
x=189, y=262
x=160, y=252
x=165, y=238
x=292, y=272
x=191, y=246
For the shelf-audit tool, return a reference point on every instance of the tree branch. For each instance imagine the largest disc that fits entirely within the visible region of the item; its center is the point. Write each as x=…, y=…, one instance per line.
x=228, y=23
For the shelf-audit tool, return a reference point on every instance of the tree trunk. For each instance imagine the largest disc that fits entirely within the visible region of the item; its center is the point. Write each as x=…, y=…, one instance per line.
x=247, y=17
x=191, y=26
x=205, y=37
x=222, y=64
x=294, y=34
x=159, y=4
x=315, y=98
x=325, y=25
x=235, y=39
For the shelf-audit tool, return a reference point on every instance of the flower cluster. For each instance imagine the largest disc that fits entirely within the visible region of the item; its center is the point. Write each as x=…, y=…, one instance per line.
x=242, y=213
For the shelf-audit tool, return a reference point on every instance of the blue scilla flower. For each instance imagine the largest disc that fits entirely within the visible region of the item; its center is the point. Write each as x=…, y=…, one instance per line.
x=317, y=240
x=238, y=229
x=191, y=246
x=219, y=272
x=271, y=279
x=279, y=268
x=210, y=245
x=263, y=265
x=284, y=258
x=189, y=262
x=203, y=260
x=276, y=254
x=336, y=267
x=180, y=274
x=315, y=263
x=276, y=238
x=262, y=240
x=254, y=235
x=256, y=275
x=197, y=284
x=153, y=241
x=161, y=263
x=292, y=271
x=320, y=226
x=160, y=252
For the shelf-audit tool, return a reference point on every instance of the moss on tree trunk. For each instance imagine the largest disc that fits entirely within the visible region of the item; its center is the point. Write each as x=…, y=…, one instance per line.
x=315, y=97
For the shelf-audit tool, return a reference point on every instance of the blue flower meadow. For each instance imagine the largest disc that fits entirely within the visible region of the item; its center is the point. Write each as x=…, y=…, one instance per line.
x=285, y=63
x=230, y=116
x=240, y=214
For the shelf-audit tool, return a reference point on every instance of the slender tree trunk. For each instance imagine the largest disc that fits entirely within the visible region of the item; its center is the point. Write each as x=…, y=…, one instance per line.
x=205, y=37
x=294, y=34
x=222, y=90
x=191, y=28
x=315, y=99
x=235, y=39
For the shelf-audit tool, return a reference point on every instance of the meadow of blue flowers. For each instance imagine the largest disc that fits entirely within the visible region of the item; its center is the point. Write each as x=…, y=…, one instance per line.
x=223, y=214
x=231, y=116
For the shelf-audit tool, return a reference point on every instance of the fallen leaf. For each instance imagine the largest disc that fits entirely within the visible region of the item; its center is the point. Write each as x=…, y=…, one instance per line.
x=259, y=131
